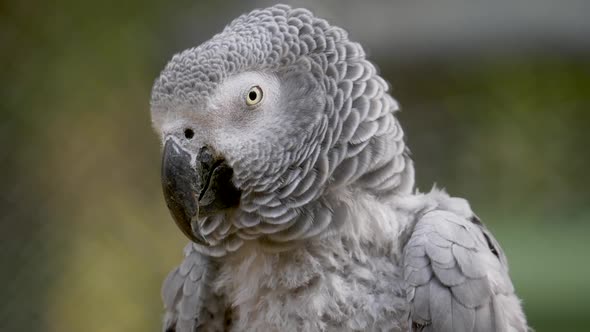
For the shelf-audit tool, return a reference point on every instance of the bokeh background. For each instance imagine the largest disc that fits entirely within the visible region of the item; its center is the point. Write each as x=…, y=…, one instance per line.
x=496, y=107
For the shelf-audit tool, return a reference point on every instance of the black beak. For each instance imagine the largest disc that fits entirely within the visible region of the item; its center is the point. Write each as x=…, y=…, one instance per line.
x=196, y=192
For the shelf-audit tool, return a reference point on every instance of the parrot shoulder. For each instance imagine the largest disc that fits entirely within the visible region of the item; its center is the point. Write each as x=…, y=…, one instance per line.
x=189, y=301
x=456, y=274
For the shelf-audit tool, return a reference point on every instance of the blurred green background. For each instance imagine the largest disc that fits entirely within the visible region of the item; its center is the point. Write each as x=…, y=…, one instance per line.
x=496, y=107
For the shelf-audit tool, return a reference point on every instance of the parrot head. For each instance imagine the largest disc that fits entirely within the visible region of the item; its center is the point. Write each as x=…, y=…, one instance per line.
x=261, y=124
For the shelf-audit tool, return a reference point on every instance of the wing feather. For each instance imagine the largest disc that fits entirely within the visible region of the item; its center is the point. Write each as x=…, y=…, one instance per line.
x=440, y=302
x=422, y=309
x=463, y=317
x=484, y=318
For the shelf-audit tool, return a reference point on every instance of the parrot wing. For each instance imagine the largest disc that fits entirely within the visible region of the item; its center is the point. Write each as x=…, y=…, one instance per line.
x=187, y=296
x=457, y=277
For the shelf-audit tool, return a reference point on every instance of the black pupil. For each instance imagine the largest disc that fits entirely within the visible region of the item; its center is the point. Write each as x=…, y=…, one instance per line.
x=252, y=95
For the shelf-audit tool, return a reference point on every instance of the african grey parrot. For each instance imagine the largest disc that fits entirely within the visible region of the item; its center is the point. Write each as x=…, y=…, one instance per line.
x=285, y=166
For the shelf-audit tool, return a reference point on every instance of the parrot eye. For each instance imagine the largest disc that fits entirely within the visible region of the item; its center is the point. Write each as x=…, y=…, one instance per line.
x=254, y=96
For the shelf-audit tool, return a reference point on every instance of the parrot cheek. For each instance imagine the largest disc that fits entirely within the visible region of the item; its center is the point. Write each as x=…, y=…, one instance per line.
x=196, y=192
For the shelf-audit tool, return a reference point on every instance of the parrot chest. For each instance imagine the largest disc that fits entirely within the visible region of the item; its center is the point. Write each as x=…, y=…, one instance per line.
x=314, y=289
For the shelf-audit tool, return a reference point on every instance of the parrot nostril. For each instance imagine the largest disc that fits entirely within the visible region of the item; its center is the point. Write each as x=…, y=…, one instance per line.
x=189, y=133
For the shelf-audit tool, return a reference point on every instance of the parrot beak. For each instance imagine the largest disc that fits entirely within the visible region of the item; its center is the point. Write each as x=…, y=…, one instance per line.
x=195, y=192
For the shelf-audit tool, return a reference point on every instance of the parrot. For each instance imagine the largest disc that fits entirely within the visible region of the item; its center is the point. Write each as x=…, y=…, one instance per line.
x=284, y=164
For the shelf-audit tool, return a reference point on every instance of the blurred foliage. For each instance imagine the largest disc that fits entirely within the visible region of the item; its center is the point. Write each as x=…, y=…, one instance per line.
x=86, y=239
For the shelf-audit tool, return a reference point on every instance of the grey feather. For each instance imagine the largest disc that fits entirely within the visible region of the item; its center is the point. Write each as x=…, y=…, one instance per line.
x=463, y=318
x=421, y=309
x=440, y=303
x=171, y=288
x=438, y=254
x=468, y=262
x=449, y=276
x=417, y=261
x=472, y=292
x=416, y=277
x=484, y=318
